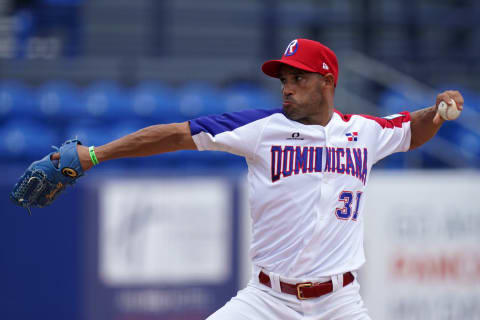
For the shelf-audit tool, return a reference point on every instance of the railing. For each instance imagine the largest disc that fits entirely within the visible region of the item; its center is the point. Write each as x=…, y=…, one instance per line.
x=387, y=76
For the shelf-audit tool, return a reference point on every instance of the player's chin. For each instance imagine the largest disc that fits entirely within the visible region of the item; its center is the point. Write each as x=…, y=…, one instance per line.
x=290, y=112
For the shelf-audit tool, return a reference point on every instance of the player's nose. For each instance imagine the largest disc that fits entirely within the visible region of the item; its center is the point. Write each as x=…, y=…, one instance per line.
x=287, y=89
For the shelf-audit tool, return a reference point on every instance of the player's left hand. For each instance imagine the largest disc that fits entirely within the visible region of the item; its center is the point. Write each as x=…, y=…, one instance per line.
x=46, y=178
x=83, y=156
x=450, y=97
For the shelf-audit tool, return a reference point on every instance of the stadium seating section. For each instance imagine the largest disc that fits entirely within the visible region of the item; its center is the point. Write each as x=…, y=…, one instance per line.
x=33, y=118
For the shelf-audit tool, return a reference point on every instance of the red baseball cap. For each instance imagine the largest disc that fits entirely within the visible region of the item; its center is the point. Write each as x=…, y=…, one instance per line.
x=306, y=55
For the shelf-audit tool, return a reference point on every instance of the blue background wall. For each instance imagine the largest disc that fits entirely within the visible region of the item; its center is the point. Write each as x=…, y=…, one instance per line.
x=40, y=256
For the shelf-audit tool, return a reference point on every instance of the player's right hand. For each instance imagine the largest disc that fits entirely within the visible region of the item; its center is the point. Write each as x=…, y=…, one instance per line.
x=450, y=97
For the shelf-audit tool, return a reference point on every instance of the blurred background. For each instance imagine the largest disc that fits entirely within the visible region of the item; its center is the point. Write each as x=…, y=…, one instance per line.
x=97, y=70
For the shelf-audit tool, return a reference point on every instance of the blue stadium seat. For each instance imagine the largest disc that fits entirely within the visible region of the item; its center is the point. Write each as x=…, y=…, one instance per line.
x=249, y=96
x=400, y=98
x=155, y=102
x=394, y=161
x=104, y=100
x=192, y=159
x=199, y=99
x=15, y=100
x=57, y=100
x=469, y=143
x=27, y=139
x=89, y=132
x=392, y=102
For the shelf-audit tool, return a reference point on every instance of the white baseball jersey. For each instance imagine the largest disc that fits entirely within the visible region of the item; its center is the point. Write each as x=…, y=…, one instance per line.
x=306, y=183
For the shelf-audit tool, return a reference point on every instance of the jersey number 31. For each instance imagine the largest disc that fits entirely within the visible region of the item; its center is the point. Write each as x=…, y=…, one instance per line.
x=345, y=213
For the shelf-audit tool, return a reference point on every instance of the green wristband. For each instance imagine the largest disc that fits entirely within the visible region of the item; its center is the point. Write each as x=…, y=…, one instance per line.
x=91, y=150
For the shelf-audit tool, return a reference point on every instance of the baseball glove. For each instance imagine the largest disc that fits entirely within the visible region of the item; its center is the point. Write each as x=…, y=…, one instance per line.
x=45, y=179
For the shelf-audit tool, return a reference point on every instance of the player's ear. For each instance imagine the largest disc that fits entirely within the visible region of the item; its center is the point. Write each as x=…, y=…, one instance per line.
x=329, y=80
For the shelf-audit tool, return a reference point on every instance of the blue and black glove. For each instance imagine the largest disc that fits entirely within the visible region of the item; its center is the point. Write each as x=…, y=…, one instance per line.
x=46, y=178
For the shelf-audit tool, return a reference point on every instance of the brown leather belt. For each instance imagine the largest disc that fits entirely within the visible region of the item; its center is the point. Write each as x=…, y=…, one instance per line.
x=306, y=290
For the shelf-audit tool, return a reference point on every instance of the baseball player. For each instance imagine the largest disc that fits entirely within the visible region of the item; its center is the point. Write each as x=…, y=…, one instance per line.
x=308, y=167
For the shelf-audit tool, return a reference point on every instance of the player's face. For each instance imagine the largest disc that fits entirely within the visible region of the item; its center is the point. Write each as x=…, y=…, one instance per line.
x=301, y=93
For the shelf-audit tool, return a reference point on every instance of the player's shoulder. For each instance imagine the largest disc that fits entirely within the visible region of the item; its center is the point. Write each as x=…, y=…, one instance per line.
x=218, y=123
x=392, y=121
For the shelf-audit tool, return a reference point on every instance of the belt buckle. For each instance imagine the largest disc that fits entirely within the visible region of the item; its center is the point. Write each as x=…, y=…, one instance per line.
x=299, y=292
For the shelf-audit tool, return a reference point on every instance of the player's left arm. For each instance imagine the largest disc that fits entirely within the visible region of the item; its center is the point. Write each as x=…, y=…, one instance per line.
x=425, y=123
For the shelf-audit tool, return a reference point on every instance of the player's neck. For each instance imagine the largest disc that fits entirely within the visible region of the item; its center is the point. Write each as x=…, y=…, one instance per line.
x=322, y=117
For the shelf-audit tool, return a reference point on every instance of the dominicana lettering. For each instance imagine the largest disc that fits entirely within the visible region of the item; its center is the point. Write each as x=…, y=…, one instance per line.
x=290, y=160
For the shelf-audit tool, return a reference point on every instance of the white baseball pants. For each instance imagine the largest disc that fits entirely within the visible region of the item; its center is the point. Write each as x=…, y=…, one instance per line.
x=259, y=302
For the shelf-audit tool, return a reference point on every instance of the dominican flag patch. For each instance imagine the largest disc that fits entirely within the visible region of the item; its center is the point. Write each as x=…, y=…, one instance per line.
x=352, y=136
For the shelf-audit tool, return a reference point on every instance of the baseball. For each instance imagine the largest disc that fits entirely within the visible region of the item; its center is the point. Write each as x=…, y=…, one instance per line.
x=448, y=113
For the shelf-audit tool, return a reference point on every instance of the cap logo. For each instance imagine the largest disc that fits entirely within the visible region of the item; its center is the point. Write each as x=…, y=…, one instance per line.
x=291, y=48
x=324, y=66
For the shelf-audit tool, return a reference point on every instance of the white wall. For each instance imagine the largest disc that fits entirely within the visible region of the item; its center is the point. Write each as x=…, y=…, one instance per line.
x=422, y=237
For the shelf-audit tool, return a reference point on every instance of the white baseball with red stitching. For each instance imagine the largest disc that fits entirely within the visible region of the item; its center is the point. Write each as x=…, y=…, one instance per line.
x=448, y=112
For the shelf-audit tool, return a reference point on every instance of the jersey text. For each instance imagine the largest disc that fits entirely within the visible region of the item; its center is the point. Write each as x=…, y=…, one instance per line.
x=291, y=160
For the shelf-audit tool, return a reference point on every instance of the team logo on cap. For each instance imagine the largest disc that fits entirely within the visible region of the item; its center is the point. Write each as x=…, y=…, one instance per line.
x=291, y=48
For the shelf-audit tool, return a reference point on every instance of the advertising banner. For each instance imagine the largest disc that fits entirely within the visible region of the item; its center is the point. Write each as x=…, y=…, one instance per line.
x=422, y=238
x=164, y=248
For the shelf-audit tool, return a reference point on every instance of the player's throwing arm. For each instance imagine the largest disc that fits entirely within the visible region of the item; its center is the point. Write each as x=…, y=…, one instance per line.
x=426, y=122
